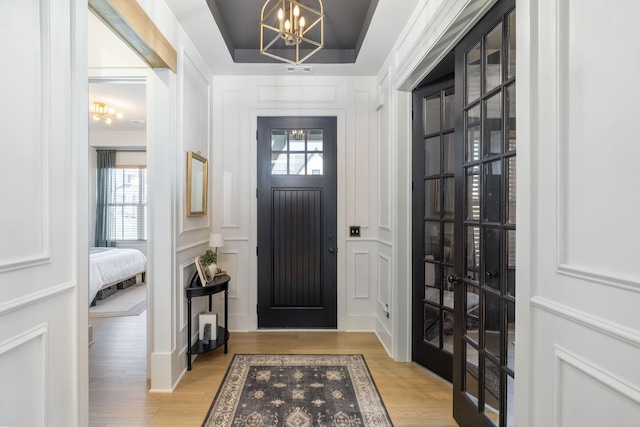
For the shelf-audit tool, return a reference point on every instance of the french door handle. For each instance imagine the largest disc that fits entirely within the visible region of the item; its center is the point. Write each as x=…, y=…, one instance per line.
x=332, y=250
x=453, y=278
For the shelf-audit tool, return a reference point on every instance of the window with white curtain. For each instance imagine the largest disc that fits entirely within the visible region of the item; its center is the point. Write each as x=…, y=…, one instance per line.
x=128, y=204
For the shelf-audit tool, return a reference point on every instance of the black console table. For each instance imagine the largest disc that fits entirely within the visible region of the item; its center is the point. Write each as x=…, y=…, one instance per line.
x=218, y=284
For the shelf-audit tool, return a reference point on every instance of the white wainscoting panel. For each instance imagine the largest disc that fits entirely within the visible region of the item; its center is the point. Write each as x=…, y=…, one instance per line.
x=361, y=281
x=384, y=280
x=384, y=162
x=230, y=265
x=587, y=229
x=196, y=132
x=23, y=361
x=25, y=111
x=231, y=157
x=360, y=160
x=615, y=401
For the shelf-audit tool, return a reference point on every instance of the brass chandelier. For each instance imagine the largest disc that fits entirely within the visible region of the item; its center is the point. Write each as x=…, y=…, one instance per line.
x=290, y=23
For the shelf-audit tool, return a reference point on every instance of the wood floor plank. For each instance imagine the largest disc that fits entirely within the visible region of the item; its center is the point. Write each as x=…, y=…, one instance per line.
x=118, y=389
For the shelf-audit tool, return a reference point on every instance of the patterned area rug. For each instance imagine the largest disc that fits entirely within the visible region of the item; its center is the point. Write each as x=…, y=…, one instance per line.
x=297, y=391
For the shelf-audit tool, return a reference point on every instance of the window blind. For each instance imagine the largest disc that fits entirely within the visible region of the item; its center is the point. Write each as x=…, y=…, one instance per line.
x=128, y=204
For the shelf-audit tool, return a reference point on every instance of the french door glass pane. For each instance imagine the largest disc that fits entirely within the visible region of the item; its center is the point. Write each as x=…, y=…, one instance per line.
x=473, y=193
x=493, y=125
x=493, y=58
x=492, y=254
x=511, y=331
x=472, y=73
x=492, y=335
x=449, y=243
x=432, y=110
x=510, y=114
x=432, y=198
x=492, y=391
x=449, y=197
x=473, y=249
x=432, y=156
x=432, y=279
x=511, y=406
x=492, y=192
x=432, y=238
x=449, y=116
x=297, y=140
x=511, y=263
x=511, y=44
x=449, y=149
x=472, y=371
x=432, y=324
x=511, y=190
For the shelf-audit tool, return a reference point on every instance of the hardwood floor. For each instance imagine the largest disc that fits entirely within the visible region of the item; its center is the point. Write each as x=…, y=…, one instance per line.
x=118, y=386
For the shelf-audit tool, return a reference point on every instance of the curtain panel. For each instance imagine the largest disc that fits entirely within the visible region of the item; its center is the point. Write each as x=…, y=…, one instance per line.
x=105, y=187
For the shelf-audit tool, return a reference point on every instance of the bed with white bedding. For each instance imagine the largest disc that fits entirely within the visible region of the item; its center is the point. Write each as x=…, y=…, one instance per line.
x=110, y=266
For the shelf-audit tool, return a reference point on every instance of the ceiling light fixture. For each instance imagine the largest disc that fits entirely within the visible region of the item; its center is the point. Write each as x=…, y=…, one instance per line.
x=101, y=112
x=283, y=25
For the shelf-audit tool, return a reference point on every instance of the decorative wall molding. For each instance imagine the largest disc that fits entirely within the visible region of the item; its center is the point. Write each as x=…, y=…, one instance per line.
x=183, y=283
x=361, y=281
x=36, y=297
x=192, y=245
x=39, y=335
x=598, y=324
x=564, y=358
x=296, y=93
x=360, y=168
x=601, y=277
x=384, y=281
x=231, y=159
x=230, y=260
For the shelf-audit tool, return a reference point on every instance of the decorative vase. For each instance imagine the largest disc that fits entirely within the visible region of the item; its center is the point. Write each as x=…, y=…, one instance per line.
x=213, y=269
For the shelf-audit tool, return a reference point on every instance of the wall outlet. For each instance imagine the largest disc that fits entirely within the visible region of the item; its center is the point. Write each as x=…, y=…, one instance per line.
x=354, y=230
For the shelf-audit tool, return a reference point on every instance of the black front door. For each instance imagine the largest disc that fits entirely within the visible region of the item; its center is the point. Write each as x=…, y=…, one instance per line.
x=297, y=214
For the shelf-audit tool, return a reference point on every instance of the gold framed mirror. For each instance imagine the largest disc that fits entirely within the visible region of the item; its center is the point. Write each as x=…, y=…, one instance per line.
x=197, y=168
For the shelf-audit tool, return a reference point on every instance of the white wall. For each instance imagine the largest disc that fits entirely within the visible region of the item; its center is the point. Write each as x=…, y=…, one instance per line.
x=238, y=102
x=43, y=224
x=579, y=331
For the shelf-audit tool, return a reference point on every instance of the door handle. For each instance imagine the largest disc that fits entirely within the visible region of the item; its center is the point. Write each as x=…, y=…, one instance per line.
x=453, y=278
x=332, y=250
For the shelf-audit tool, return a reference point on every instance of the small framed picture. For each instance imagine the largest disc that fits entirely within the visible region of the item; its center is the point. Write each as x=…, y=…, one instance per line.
x=203, y=272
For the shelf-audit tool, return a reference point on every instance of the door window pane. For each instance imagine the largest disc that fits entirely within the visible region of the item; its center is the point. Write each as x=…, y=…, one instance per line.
x=510, y=114
x=432, y=114
x=471, y=372
x=473, y=249
x=449, y=112
x=279, y=164
x=432, y=156
x=493, y=58
x=473, y=193
x=314, y=164
x=492, y=255
x=315, y=140
x=492, y=335
x=278, y=140
x=473, y=59
x=511, y=336
x=449, y=197
x=493, y=125
x=432, y=239
x=449, y=149
x=492, y=383
x=511, y=405
x=449, y=242
x=511, y=190
x=432, y=197
x=297, y=140
x=432, y=279
x=432, y=324
x=511, y=44
x=297, y=164
x=511, y=263
x=492, y=191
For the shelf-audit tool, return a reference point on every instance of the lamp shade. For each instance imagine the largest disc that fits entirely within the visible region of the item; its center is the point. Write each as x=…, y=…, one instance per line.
x=216, y=240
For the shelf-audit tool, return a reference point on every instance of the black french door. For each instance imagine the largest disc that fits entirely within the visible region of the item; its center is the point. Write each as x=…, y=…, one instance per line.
x=464, y=224
x=433, y=225
x=484, y=332
x=297, y=222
